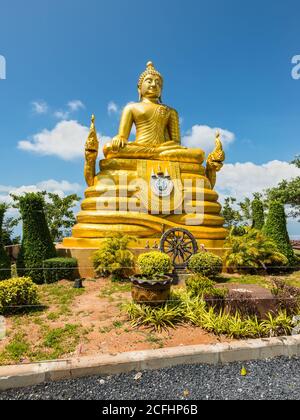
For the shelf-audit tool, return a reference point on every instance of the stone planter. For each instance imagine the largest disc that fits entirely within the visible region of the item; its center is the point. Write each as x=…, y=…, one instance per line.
x=150, y=292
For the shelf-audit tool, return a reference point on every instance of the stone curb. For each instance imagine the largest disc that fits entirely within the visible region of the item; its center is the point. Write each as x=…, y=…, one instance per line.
x=32, y=374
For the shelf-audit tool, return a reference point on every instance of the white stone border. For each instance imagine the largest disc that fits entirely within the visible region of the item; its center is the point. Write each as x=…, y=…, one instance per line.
x=17, y=376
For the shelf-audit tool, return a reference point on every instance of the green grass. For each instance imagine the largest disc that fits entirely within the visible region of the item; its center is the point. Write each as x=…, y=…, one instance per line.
x=16, y=349
x=113, y=288
x=117, y=324
x=152, y=339
x=263, y=281
x=292, y=279
x=59, y=294
x=62, y=340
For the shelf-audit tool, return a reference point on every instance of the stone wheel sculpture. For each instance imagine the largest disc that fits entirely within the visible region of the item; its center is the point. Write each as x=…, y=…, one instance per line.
x=180, y=245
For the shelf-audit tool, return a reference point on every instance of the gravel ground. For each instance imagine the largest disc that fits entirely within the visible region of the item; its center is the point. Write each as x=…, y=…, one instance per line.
x=270, y=379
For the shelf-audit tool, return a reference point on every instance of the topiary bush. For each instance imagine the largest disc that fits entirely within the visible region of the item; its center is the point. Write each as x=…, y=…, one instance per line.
x=258, y=215
x=154, y=264
x=206, y=264
x=197, y=285
x=275, y=228
x=37, y=245
x=4, y=259
x=56, y=269
x=17, y=292
x=114, y=258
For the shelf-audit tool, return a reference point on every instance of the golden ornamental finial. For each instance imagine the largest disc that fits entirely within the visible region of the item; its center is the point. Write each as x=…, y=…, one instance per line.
x=93, y=121
x=92, y=140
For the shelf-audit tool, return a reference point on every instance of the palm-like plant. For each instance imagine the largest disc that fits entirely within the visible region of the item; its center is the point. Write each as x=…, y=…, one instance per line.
x=252, y=251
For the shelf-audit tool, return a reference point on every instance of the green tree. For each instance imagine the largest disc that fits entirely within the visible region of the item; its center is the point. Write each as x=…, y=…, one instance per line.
x=275, y=228
x=296, y=161
x=9, y=225
x=288, y=192
x=245, y=207
x=37, y=244
x=59, y=214
x=258, y=215
x=58, y=211
x=231, y=216
x=4, y=259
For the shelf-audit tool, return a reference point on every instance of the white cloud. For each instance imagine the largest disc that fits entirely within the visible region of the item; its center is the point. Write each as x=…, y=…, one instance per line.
x=241, y=180
x=66, y=141
x=203, y=137
x=75, y=105
x=72, y=107
x=62, y=115
x=40, y=107
x=51, y=185
x=112, y=108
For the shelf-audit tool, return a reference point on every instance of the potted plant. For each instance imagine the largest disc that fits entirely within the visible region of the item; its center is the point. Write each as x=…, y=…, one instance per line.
x=152, y=285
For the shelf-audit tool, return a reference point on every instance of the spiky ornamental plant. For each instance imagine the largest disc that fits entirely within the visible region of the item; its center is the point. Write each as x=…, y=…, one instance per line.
x=258, y=216
x=4, y=259
x=275, y=228
x=37, y=244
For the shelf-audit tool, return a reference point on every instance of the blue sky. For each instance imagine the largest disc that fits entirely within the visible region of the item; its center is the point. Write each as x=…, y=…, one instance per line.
x=226, y=64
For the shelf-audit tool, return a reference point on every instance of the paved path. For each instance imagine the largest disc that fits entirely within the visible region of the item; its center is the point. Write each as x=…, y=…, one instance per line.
x=270, y=379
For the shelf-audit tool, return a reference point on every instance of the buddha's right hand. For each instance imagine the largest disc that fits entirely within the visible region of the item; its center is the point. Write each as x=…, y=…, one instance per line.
x=118, y=142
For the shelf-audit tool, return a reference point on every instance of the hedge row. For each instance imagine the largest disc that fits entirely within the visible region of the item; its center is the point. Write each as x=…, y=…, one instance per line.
x=56, y=269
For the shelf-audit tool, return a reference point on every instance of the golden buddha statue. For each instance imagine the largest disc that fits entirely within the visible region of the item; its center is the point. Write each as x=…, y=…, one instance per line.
x=149, y=185
x=157, y=127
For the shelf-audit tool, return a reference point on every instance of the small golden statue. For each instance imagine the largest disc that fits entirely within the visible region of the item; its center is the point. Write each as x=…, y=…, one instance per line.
x=151, y=184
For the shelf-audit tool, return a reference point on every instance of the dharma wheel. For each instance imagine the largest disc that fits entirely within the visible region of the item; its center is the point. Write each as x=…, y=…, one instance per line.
x=180, y=245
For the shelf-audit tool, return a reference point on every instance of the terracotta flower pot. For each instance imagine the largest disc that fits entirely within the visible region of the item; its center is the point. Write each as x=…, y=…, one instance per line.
x=150, y=292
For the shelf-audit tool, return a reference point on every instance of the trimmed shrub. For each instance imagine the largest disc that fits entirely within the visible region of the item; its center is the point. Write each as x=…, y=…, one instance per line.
x=251, y=252
x=205, y=263
x=197, y=285
x=275, y=228
x=114, y=258
x=17, y=292
x=154, y=264
x=37, y=244
x=258, y=216
x=4, y=259
x=56, y=269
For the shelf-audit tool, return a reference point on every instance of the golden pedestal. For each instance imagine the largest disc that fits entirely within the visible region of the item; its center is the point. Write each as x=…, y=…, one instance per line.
x=122, y=200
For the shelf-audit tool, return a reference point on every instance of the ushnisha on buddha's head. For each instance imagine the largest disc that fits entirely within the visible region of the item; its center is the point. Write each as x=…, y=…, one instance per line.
x=150, y=84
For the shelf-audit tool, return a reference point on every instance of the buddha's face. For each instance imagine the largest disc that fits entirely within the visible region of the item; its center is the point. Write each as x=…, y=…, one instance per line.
x=151, y=87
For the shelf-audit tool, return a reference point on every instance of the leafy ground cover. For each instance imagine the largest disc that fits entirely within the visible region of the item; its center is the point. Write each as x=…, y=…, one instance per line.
x=73, y=322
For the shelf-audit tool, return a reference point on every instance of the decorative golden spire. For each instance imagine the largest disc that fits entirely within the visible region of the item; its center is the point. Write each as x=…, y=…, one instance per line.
x=218, y=152
x=92, y=140
x=91, y=153
x=149, y=70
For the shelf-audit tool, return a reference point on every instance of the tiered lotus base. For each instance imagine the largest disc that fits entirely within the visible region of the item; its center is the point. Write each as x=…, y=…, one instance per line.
x=116, y=204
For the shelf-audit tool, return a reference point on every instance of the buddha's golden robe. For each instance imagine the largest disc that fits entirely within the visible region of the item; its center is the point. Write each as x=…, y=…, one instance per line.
x=157, y=135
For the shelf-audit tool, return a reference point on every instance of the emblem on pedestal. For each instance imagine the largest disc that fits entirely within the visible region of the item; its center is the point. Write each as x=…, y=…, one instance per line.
x=161, y=183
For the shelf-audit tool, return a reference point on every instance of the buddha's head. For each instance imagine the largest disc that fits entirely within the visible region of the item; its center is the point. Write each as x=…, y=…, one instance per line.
x=150, y=83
